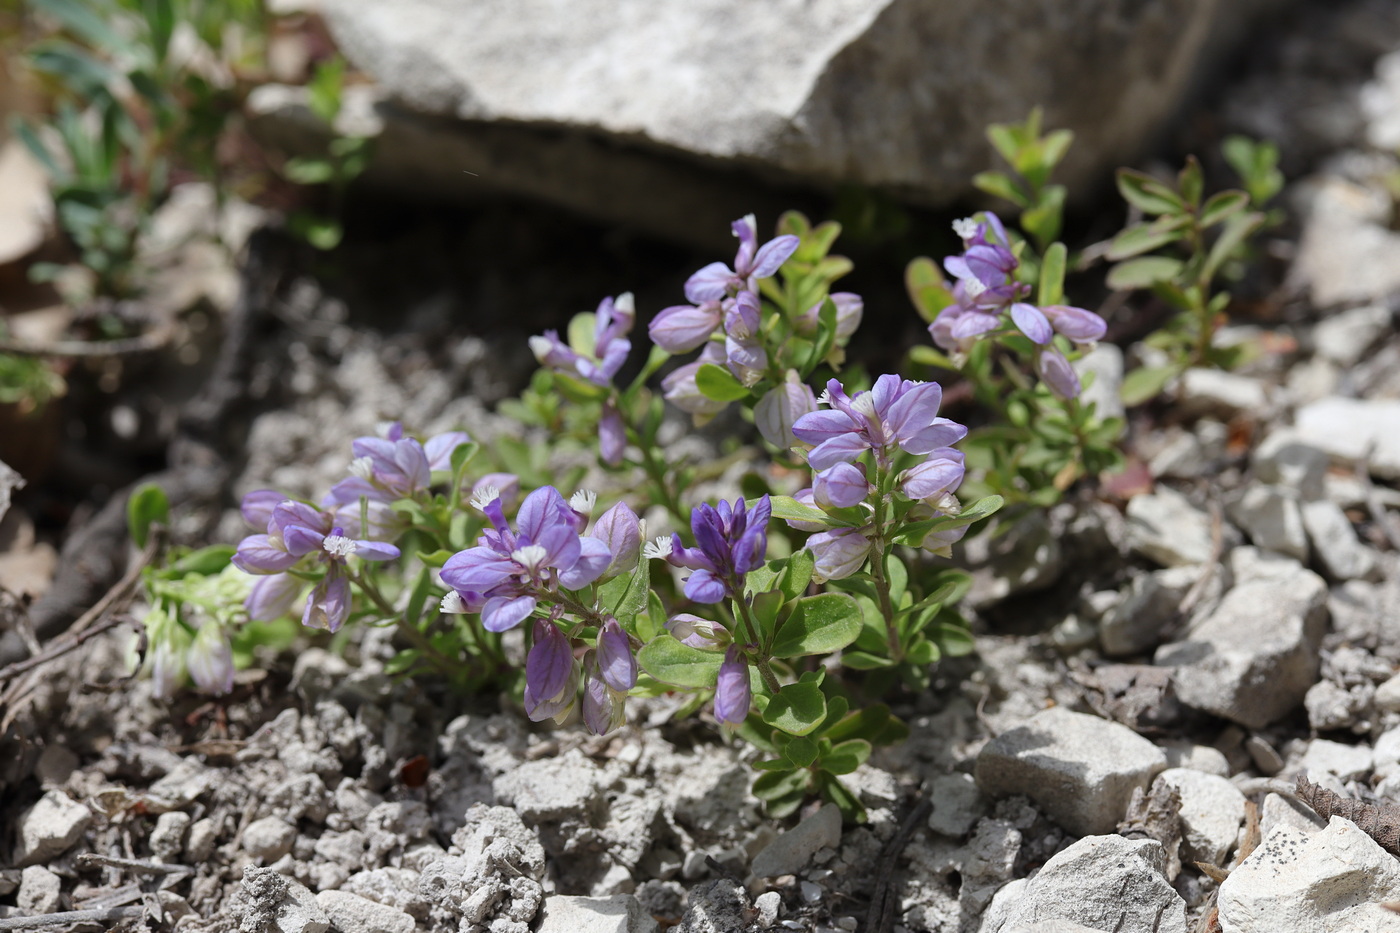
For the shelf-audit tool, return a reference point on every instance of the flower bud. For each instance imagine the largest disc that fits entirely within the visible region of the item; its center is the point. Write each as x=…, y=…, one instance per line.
x=741, y=319
x=329, y=604
x=621, y=530
x=272, y=596
x=169, y=643
x=850, y=308
x=1031, y=322
x=1056, y=372
x=805, y=497
x=838, y=554
x=840, y=486
x=941, y=473
x=210, y=659
x=697, y=632
x=680, y=390
x=733, y=694
x=603, y=707
x=257, y=507
x=549, y=662
x=780, y=407
x=1078, y=324
x=439, y=448
x=612, y=435
x=616, y=664
x=746, y=359
x=682, y=328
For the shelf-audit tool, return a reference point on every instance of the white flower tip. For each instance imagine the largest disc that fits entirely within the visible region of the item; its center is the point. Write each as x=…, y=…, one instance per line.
x=484, y=496
x=824, y=398
x=965, y=227
x=749, y=220
x=948, y=504
x=363, y=467
x=660, y=549
x=973, y=287
x=583, y=501
x=864, y=402
x=452, y=603
x=625, y=303
x=338, y=546
x=531, y=556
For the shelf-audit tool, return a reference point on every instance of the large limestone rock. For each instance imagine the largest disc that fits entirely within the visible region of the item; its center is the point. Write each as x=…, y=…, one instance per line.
x=613, y=107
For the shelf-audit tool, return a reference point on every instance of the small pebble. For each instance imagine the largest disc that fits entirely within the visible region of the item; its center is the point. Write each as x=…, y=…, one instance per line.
x=769, y=905
x=811, y=893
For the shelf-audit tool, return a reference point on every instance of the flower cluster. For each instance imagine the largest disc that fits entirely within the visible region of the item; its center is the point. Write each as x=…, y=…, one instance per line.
x=597, y=364
x=726, y=301
x=896, y=416
x=986, y=295
x=730, y=541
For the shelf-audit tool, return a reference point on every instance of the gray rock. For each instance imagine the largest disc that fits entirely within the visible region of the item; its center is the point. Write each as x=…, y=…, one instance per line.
x=1346, y=428
x=1204, y=758
x=1333, y=881
x=1285, y=811
x=280, y=903
x=569, y=103
x=493, y=872
x=1105, y=363
x=1081, y=770
x=1265, y=757
x=269, y=838
x=1149, y=606
x=1345, y=337
x=40, y=891
x=1102, y=882
x=200, y=844
x=1025, y=558
x=1388, y=695
x=1271, y=517
x=1385, y=755
x=988, y=863
x=719, y=906
x=1165, y=527
x=1050, y=926
x=793, y=850
x=1339, y=552
x=551, y=788
x=1212, y=810
x=168, y=837
x=1346, y=254
x=49, y=828
x=1281, y=459
x=354, y=914
x=1347, y=762
x=1253, y=659
x=396, y=887
x=957, y=804
x=1332, y=706
x=1380, y=103
x=1216, y=392
x=769, y=905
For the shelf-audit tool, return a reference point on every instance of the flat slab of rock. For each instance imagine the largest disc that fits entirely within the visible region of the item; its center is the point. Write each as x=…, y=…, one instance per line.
x=351, y=913
x=598, y=104
x=1101, y=882
x=1333, y=881
x=1212, y=809
x=1079, y=769
x=49, y=828
x=1165, y=527
x=1346, y=428
x=793, y=850
x=1253, y=659
x=621, y=913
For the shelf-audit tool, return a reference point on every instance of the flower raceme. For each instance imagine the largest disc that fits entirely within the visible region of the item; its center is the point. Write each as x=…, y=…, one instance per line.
x=730, y=541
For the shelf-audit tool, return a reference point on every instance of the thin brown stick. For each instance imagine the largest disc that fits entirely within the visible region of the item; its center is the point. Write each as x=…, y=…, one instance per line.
x=90, y=859
x=884, y=902
x=58, y=650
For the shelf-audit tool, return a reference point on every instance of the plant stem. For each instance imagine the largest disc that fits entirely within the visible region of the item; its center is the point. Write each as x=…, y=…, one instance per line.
x=877, y=564
x=765, y=670
x=448, y=666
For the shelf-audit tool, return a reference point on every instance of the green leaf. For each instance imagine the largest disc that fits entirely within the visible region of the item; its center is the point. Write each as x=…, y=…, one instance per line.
x=626, y=595
x=818, y=625
x=1222, y=205
x=651, y=623
x=862, y=724
x=797, y=709
x=954, y=639
x=1052, y=275
x=864, y=661
x=85, y=21
x=765, y=610
x=305, y=170
x=1147, y=193
x=147, y=506
x=680, y=665
x=914, y=534
x=846, y=757
x=1143, y=238
x=206, y=561
x=928, y=356
x=1143, y=272
x=1043, y=220
x=797, y=574
x=418, y=597
x=436, y=558
x=922, y=652
x=927, y=288
x=788, y=508
x=719, y=384
x=1145, y=383
x=1191, y=182
x=777, y=784
x=1237, y=229
x=160, y=21
x=1001, y=185
x=325, y=87
x=800, y=751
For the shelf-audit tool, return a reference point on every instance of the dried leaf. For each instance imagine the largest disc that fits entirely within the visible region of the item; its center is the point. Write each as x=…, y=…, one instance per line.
x=1380, y=821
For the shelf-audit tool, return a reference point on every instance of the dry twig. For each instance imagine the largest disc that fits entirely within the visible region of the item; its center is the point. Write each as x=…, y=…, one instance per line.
x=884, y=901
x=70, y=917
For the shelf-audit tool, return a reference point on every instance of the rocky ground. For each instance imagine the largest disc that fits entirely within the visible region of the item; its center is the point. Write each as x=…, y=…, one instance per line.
x=1158, y=660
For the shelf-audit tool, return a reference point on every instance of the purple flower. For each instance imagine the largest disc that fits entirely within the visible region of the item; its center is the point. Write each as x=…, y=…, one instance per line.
x=616, y=664
x=257, y=506
x=1081, y=326
x=621, y=531
x=328, y=606
x=551, y=676
x=505, y=486
x=895, y=414
x=751, y=263
x=682, y=328
x=733, y=694
x=938, y=476
x=512, y=571
x=780, y=407
x=612, y=435
x=603, y=707
x=210, y=659
x=807, y=498
x=697, y=632
x=439, y=448
x=1055, y=371
x=838, y=553
x=730, y=542
x=840, y=486
x=746, y=359
x=293, y=530
x=168, y=652
x=272, y=596
x=599, y=363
